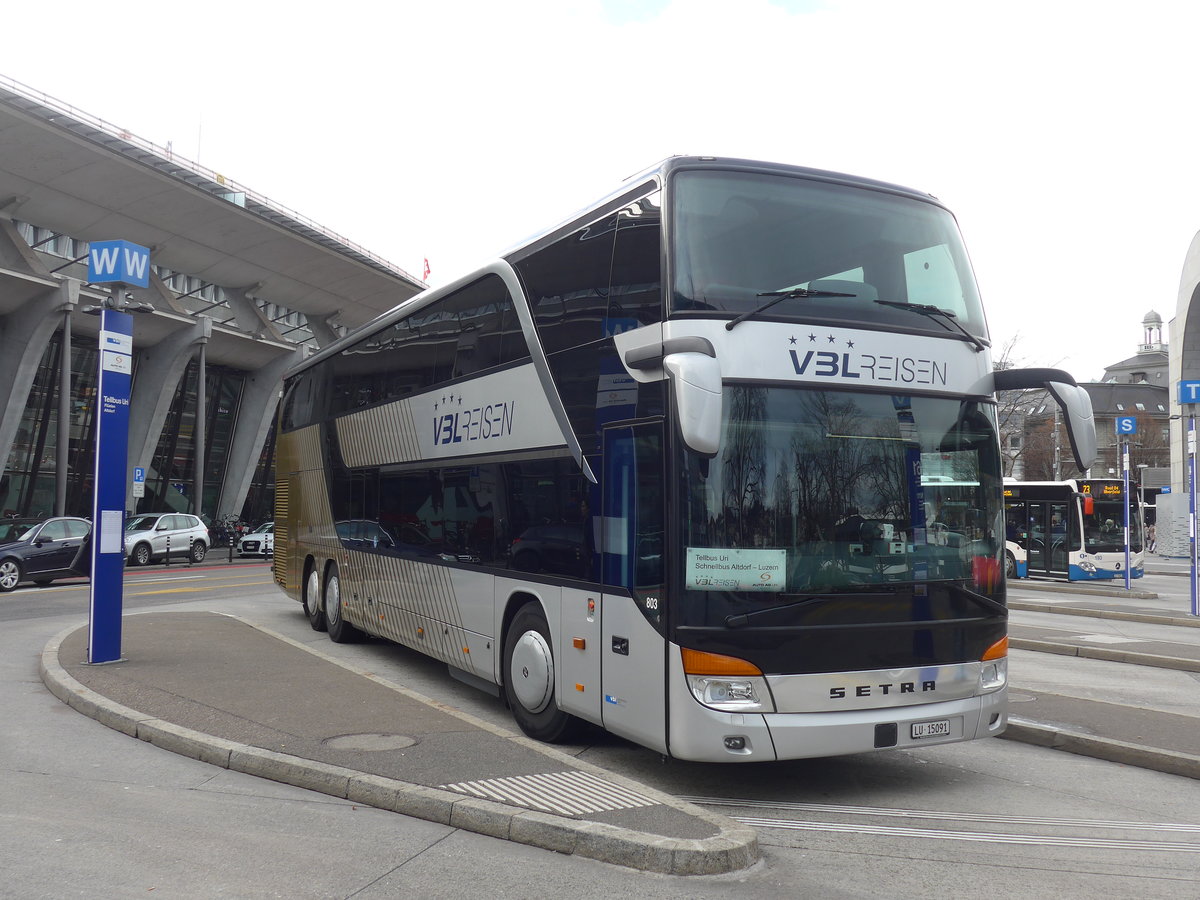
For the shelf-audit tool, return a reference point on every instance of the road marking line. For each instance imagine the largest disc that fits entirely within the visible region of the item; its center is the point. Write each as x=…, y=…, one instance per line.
x=1039, y=840
x=888, y=812
x=186, y=590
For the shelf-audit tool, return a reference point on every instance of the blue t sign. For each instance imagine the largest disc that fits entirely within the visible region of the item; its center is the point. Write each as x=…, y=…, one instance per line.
x=120, y=262
x=1126, y=424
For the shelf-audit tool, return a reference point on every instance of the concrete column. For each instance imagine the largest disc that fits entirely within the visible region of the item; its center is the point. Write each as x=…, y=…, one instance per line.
x=249, y=317
x=24, y=335
x=159, y=369
x=200, y=458
x=159, y=296
x=63, y=444
x=254, y=421
x=16, y=254
x=322, y=330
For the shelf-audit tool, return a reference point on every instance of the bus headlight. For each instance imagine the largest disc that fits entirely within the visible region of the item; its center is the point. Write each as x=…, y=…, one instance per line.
x=726, y=682
x=1089, y=567
x=993, y=675
x=993, y=670
x=730, y=694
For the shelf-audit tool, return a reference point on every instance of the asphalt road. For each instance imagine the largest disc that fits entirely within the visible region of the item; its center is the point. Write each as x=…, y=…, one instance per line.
x=89, y=810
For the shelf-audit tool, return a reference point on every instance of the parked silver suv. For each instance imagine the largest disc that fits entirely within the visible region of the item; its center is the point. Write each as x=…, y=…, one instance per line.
x=149, y=535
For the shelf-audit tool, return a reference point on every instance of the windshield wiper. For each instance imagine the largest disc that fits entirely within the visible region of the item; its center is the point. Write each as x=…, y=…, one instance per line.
x=946, y=317
x=777, y=297
x=744, y=618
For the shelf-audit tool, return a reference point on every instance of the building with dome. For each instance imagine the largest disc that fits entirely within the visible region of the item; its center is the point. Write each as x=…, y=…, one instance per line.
x=1150, y=365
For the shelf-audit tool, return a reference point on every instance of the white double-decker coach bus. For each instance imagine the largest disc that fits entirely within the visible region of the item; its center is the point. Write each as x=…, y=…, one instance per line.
x=712, y=465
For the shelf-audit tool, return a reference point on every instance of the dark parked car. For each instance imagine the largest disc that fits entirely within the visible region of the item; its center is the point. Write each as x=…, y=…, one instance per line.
x=41, y=550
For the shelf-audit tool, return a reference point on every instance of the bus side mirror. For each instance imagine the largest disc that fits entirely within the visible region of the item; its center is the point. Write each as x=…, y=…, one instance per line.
x=696, y=383
x=1073, y=400
x=1081, y=426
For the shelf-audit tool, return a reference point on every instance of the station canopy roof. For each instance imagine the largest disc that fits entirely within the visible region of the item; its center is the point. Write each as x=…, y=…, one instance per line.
x=63, y=170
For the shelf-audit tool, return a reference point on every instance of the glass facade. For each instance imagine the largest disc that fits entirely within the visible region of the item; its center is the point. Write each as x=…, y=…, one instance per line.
x=260, y=500
x=27, y=486
x=28, y=483
x=170, y=478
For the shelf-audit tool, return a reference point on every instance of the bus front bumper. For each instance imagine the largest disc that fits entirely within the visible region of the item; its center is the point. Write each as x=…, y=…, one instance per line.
x=703, y=734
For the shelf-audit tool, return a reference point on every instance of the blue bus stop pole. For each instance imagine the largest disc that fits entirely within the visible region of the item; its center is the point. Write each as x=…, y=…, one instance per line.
x=1192, y=508
x=1125, y=494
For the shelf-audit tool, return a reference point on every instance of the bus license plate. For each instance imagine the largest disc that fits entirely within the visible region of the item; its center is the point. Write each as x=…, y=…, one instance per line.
x=940, y=728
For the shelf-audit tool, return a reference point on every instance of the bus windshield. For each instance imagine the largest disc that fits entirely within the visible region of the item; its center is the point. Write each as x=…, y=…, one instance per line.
x=1104, y=530
x=826, y=492
x=825, y=251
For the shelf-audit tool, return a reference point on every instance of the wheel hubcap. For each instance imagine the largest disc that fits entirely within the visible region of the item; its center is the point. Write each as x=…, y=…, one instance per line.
x=313, y=592
x=533, y=672
x=333, y=600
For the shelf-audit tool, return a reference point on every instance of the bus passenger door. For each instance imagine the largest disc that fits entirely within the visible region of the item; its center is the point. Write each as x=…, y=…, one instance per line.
x=1048, y=538
x=632, y=543
x=1037, y=545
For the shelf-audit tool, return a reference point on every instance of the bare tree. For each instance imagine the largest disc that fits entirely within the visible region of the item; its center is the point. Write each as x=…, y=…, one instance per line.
x=1012, y=407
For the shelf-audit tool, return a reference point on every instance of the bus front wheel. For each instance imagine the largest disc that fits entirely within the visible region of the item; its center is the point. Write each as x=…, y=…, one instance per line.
x=1010, y=565
x=529, y=679
x=312, y=599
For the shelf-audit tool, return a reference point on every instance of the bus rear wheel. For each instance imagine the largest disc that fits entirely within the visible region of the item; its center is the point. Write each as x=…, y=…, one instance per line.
x=340, y=631
x=529, y=679
x=312, y=599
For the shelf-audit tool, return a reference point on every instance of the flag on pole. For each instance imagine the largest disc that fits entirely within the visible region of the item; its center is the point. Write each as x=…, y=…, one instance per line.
x=425, y=277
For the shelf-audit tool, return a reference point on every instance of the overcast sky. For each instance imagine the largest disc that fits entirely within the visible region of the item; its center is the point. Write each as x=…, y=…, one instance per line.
x=1063, y=134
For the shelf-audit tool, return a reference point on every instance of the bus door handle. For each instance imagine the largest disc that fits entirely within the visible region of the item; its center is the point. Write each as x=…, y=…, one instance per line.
x=620, y=645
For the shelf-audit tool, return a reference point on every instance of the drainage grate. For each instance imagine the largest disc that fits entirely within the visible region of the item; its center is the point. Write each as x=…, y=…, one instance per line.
x=565, y=793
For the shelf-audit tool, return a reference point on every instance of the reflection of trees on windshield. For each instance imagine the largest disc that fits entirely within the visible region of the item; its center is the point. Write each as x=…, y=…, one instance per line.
x=744, y=468
x=827, y=476
x=833, y=465
x=830, y=463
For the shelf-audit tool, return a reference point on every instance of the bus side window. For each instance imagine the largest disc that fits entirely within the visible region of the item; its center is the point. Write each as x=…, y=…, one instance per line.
x=568, y=285
x=635, y=282
x=485, y=316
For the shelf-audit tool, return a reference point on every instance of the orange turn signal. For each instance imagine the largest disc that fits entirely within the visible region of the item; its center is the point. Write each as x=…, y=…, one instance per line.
x=696, y=662
x=998, y=650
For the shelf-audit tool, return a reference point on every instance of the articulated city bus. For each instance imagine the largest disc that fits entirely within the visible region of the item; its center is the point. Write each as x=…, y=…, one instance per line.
x=1075, y=529
x=712, y=465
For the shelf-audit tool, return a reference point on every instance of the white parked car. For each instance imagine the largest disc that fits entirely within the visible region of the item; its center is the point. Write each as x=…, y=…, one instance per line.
x=259, y=542
x=149, y=535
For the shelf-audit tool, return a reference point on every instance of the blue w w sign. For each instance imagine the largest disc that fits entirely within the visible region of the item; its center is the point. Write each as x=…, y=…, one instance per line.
x=120, y=262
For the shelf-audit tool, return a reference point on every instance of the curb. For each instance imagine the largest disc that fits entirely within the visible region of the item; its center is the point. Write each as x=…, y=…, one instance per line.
x=1177, y=663
x=733, y=848
x=1080, y=587
x=1169, y=761
x=1092, y=612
